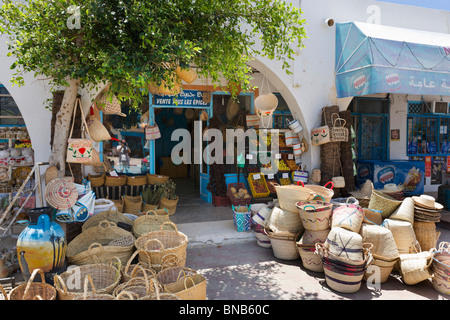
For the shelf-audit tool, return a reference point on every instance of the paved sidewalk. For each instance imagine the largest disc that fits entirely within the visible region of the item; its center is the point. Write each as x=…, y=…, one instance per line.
x=246, y=271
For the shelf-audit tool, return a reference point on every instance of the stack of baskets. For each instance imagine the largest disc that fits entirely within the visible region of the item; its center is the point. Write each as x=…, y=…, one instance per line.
x=260, y=213
x=315, y=216
x=242, y=218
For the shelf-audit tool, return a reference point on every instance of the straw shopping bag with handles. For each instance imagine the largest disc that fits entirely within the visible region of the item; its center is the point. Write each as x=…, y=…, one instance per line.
x=79, y=150
x=97, y=131
x=34, y=290
x=152, y=132
x=320, y=135
x=338, y=133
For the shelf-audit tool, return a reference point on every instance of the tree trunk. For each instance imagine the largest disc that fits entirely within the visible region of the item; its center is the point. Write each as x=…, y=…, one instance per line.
x=62, y=127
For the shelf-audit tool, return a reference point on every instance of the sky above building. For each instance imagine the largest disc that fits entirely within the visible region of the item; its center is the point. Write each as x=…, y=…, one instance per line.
x=433, y=4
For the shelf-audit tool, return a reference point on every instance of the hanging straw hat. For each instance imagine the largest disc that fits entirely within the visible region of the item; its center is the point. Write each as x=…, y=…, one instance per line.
x=188, y=75
x=232, y=109
x=110, y=107
x=50, y=174
x=392, y=188
x=61, y=193
x=427, y=202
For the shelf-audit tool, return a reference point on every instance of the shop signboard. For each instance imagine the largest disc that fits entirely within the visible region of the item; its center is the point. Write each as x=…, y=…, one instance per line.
x=185, y=99
x=409, y=174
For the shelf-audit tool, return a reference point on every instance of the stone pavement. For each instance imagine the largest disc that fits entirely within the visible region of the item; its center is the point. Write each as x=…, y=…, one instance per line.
x=239, y=269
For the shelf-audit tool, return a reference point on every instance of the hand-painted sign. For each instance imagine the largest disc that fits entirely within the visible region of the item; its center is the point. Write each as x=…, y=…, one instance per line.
x=186, y=98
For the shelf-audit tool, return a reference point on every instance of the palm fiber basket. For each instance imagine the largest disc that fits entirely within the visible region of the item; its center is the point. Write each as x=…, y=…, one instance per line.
x=139, y=286
x=94, y=295
x=105, y=278
x=34, y=290
x=115, y=181
x=191, y=287
x=310, y=258
x=384, y=203
x=137, y=180
x=132, y=204
x=94, y=245
x=160, y=243
x=315, y=215
x=97, y=180
x=284, y=244
x=426, y=234
x=151, y=221
x=110, y=216
x=156, y=178
x=174, y=274
x=169, y=204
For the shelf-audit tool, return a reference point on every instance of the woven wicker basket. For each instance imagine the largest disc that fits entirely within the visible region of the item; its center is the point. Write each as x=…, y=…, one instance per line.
x=156, y=179
x=139, y=286
x=131, y=270
x=345, y=244
x=426, y=234
x=310, y=258
x=115, y=181
x=94, y=295
x=146, y=207
x=92, y=245
x=284, y=245
x=160, y=243
x=403, y=233
x=105, y=278
x=284, y=221
x=97, y=180
x=349, y=217
x=171, y=275
x=33, y=290
x=110, y=216
x=326, y=193
x=338, y=132
x=136, y=180
x=192, y=287
x=118, y=204
x=415, y=267
x=170, y=205
x=384, y=203
x=383, y=267
x=315, y=215
x=132, y=205
x=150, y=222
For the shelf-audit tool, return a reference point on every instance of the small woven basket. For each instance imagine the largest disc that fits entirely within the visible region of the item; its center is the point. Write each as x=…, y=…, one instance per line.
x=115, y=181
x=97, y=180
x=338, y=132
x=110, y=216
x=426, y=234
x=170, y=205
x=156, y=179
x=136, y=180
x=132, y=204
x=131, y=270
x=149, y=222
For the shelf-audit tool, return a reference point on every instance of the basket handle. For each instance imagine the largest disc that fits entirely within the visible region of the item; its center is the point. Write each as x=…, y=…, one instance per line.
x=185, y=285
x=169, y=260
x=4, y=292
x=116, y=264
x=31, y=280
x=58, y=283
x=309, y=206
x=87, y=281
x=169, y=223
x=93, y=245
x=444, y=246
x=346, y=202
x=332, y=184
x=125, y=293
x=127, y=266
x=299, y=181
x=320, y=197
x=154, y=240
x=106, y=224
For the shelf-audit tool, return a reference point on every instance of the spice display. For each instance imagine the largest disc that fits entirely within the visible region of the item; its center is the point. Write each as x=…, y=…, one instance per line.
x=258, y=185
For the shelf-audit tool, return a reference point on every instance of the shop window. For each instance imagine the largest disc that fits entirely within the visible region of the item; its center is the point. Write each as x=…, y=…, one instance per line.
x=9, y=112
x=427, y=133
x=130, y=130
x=371, y=124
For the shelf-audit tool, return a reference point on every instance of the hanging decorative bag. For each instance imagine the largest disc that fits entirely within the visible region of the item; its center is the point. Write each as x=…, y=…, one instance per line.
x=338, y=132
x=300, y=175
x=79, y=150
x=295, y=126
x=252, y=120
x=349, y=217
x=110, y=106
x=152, y=132
x=339, y=181
x=320, y=135
x=291, y=138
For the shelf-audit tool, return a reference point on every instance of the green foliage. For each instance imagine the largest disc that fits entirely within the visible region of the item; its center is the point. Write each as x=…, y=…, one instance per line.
x=130, y=43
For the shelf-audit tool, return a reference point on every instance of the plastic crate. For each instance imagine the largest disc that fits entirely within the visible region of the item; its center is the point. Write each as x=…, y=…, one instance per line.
x=251, y=180
x=282, y=180
x=219, y=201
x=235, y=201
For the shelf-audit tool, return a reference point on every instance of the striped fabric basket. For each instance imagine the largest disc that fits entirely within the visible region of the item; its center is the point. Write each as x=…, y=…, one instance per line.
x=311, y=259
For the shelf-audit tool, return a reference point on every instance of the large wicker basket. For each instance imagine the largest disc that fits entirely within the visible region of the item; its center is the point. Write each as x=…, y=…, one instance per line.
x=110, y=215
x=115, y=181
x=137, y=180
x=150, y=222
x=132, y=204
x=381, y=201
x=93, y=245
x=105, y=277
x=156, y=179
x=97, y=180
x=160, y=243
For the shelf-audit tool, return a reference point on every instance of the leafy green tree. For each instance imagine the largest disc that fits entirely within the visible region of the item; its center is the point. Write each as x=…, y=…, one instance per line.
x=129, y=44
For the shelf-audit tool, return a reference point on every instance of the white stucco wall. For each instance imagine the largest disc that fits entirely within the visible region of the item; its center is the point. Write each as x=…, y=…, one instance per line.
x=307, y=91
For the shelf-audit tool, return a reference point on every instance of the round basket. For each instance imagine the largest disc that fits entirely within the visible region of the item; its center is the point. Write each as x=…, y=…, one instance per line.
x=426, y=234
x=160, y=243
x=345, y=244
x=386, y=204
x=156, y=179
x=344, y=277
x=118, y=204
x=441, y=284
x=289, y=195
x=93, y=245
x=382, y=240
x=136, y=180
x=94, y=295
x=315, y=215
x=150, y=222
x=310, y=258
x=139, y=287
x=311, y=237
x=132, y=204
x=170, y=205
x=349, y=217
x=284, y=245
x=384, y=268
x=110, y=216
x=284, y=221
x=105, y=278
x=415, y=267
x=97, y=180
x=115, y=181
x=33, y=290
